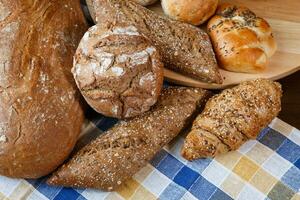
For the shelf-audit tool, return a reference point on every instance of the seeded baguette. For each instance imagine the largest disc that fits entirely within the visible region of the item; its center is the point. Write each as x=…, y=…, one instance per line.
x=118, y=154
x=232, y=117
x=184, y=48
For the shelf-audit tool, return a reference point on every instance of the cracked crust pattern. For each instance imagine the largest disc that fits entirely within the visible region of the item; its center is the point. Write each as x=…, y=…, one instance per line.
x=117, y=70
x=40, y=112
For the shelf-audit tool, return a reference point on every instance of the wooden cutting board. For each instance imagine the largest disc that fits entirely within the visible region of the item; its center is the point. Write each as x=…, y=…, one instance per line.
x=284, y=18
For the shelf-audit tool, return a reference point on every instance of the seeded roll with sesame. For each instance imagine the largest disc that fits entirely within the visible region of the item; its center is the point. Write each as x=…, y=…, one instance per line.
x=243, y=42
x=118, y=71
x=233, y=117
x=118, y=154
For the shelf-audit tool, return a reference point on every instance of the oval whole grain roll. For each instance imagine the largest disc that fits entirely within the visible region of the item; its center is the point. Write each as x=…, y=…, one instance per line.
x=232, y=117
x=40, y=112
x=118, y=71
x=115, y=156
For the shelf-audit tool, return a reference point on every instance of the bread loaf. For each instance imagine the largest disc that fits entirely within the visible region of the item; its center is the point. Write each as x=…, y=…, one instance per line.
x=118, y=154
x=242, y=41
x=195, y=12
x=118, y=71
x=183, y=47
x=40, y=112
x=233, y=117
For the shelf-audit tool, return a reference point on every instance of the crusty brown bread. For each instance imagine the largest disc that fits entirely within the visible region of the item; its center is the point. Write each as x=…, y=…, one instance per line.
x=233, y=117
x=195, y=12
x=145, y=2
x=119, y=153
x=183, y=47
x=118, y=71
x=40, y=112
x=243, y=42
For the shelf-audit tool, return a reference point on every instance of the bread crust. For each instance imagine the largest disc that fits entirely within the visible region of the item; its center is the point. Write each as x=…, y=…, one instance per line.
x=232, y=117
x=118, y=71
x=145, y=2
x=40, y=111
x=118, y=154
x=242, y=41
x=195, y=12
x=184, y=48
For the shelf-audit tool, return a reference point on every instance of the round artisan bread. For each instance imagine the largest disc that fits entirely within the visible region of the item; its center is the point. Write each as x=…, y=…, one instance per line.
x=242, y=41
x=41, y=114
x=118, y=71
x=195, y=12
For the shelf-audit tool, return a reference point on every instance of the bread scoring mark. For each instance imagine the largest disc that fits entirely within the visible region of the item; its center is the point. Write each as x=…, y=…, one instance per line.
x=68, y=97
x=44, y=82
x=115, y=109
x=137, y=58
x=95, y=32
x=118, y=71
x=84, y=75
x=19, y=134
x=130, y=30
x=149, y=77
x=3, y=139
x=3, y=130
x=7, y=37
x=106, y=60
x=4, y=11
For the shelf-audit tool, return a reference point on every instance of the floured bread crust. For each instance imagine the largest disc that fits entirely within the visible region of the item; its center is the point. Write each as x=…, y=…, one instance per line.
x=118, y=71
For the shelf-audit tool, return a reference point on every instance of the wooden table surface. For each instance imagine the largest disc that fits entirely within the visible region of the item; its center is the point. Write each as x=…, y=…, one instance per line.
x=291, y=100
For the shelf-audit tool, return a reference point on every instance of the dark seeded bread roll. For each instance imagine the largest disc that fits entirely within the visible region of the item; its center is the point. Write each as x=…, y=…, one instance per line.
x=119, y=153
x=118, y=71
x=40, y=111
x=183, y=47
x=233, y=117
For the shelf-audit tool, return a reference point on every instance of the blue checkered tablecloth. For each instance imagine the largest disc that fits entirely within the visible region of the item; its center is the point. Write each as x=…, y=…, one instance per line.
x=266, y=168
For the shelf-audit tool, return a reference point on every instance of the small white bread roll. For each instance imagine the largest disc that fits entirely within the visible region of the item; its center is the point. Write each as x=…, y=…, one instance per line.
x=195, y=12
x=242, y=41
x=145, y=2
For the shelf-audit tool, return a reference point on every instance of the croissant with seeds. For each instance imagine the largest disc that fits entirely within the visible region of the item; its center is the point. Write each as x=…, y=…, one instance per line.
x=233, y=117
